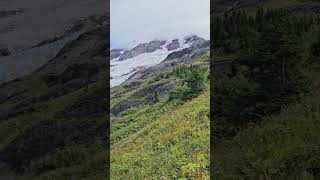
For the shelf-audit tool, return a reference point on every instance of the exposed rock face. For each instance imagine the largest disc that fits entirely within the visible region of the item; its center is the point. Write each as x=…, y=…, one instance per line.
x=115, y=53
x=126, y=55
x=173, y=45
x=154, y=45
x=29, y=50
x=141, y=97
x=146, y=95
x=193, y=40
x=184, y=56
x=142, y=48
x=179, y=54
x=139, y=49
x=23, y=63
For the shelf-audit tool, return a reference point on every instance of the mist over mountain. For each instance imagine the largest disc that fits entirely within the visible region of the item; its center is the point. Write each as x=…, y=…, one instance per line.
x=165, y=19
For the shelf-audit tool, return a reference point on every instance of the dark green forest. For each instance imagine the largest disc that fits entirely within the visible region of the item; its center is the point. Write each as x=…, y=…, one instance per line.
x=266, y=117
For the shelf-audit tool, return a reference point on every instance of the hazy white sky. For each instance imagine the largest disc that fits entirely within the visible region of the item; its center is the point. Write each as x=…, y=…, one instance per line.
x=134, y=21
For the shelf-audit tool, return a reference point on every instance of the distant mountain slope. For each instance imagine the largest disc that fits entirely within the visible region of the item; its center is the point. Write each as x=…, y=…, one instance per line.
x=33, y=32
x=154, y=45
x=138, y=89
x=127, y=62
x=52, y=119
x=51, y=18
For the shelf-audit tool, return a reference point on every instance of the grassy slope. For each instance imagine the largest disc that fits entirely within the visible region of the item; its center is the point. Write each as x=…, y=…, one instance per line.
x=165, y=139
x=176, y=144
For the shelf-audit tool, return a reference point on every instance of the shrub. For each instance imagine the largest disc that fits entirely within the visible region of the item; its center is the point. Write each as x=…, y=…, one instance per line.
x=194, y=79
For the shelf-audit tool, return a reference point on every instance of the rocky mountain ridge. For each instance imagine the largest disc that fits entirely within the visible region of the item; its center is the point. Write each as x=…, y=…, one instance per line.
x=144, y=94
x=60, y=103
x=154, y=45
x=32, y=33
x=125, y=63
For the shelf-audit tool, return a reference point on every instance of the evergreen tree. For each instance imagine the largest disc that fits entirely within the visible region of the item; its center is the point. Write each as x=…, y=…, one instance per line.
x=276, y=66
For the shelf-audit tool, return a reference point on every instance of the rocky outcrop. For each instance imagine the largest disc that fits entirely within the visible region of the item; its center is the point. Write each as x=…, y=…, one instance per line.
x=145, y=94
x=139, y=49
x=193, y=40
x=175, y=44
x=178, y=54
x=20, y=64
x=198, y=47
x=142, y=48
x=115, y=53
x=154, y=45
x=142, y=97
x=30, y=49
x=184, y=56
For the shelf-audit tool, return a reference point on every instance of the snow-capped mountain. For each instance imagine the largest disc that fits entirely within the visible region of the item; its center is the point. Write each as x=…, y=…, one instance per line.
x=125, y=63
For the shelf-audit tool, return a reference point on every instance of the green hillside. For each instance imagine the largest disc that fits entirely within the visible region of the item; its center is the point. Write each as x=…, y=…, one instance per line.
x=175, y=144
x=168, y=138
x=284, y=145
x=266, y=118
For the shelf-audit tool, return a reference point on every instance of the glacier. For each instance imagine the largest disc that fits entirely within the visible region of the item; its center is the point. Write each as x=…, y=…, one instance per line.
x=120, y=71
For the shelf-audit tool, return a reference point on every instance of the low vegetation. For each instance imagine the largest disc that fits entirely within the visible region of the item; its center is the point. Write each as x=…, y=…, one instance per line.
x=267, y=111
x=170, y=138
